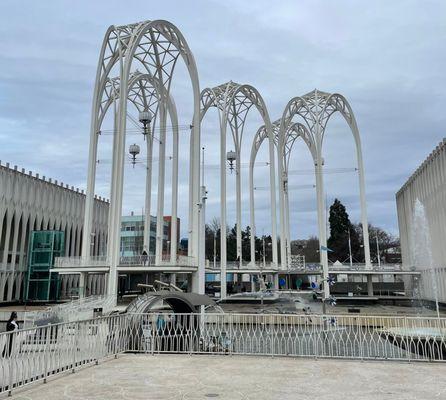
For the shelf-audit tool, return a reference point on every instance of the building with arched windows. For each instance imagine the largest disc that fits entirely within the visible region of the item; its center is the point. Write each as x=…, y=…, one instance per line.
x=29, y=202
x=421, y=205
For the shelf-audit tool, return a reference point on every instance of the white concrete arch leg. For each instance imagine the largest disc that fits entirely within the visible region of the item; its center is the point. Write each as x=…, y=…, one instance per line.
x=161, y=184
x=282, y=214
x=252, y=213
x=174, y=222
x=117, y=189
x=288, y=228
x=223, y=255
x=148, y=199
x=272, y=178
x=364, y=220
x=321, y=224
x=238, y=191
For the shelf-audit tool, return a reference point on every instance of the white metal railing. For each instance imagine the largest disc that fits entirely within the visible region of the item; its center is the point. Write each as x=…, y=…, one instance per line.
x=34, y=354
x=150, y=260
x=74, y=310
x=332, y=336
x=244, y=265
x=363, y=267
x=76, y=262
x=144, y=260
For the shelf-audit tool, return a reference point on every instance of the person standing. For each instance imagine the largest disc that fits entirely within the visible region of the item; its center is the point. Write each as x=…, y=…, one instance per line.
x=144, y=257
x=11, y=326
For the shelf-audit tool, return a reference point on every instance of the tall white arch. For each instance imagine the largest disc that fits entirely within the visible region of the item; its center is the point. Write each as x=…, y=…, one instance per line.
x=156, y=46
x=315, y=109
x=294, y=131
x=144, y=94
x=233, y=102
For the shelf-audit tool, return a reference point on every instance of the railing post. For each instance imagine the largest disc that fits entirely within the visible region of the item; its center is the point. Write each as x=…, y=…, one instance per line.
x=75, y=344
x=231, y=323
x=271, y=325
x=408, y=341
x=45, y=353
x=191, y=318
x=11, y=370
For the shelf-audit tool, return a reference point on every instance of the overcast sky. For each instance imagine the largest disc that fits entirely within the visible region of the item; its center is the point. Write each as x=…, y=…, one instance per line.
x=386, y=57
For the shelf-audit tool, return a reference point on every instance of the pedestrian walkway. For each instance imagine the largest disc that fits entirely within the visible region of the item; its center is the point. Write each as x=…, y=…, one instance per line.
x=187, y=377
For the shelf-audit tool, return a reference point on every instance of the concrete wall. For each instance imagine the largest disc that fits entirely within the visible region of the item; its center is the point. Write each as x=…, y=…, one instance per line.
x=428, y=185
x=30, y=202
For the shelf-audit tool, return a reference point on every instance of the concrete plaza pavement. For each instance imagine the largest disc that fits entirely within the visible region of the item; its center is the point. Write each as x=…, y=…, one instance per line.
x=187, y=377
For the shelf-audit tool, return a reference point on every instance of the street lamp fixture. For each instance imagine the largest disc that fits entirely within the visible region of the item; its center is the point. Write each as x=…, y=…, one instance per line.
x=145, y=117
x=231, y=156
x=134, y=150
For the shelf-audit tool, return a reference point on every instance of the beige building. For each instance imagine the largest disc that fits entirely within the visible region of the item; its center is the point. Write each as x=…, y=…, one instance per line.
x=421, y=205
x=31, y=202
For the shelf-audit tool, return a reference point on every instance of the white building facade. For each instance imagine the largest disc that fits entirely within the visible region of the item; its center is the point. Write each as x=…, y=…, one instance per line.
x=421, y=205
x=31, y=202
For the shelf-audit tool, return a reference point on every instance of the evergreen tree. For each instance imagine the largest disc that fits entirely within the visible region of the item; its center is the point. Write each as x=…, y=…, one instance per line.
x=340, y=226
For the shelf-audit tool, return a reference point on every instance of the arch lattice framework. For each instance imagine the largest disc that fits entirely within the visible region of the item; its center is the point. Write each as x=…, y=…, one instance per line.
x=233, y=102
x=144, y=94
x=315, y=109
x=293, y=132
x=156, y=47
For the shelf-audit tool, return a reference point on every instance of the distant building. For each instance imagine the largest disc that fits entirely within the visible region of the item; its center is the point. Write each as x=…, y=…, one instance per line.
x=132, y=234
x=32, y=203
x=421, y=205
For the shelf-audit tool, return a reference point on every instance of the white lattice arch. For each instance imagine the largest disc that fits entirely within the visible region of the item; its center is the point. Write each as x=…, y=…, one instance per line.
x=233, y=102
x=156, y=46
x=315, y=109
x=294, y=132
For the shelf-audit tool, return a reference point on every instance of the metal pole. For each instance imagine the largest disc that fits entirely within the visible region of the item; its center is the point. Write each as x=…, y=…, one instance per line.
x=350, y=249
x=215, y=251
x=377, y=252
x=202, y=238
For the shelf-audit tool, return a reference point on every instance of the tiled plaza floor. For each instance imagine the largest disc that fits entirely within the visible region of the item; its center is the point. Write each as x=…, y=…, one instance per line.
x=255, y=378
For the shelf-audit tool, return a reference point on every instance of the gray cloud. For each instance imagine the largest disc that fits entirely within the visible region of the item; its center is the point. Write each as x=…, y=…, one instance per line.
x=387, y=58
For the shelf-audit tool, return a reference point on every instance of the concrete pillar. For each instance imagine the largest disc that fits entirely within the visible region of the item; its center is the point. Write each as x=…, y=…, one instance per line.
x=161, y=183
x=238, y=196
x=369, y=285
x=276, y=281
x=149, y=148
x=82, y=284
x=7, y=237
x=223, y=257
x=321, y=224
